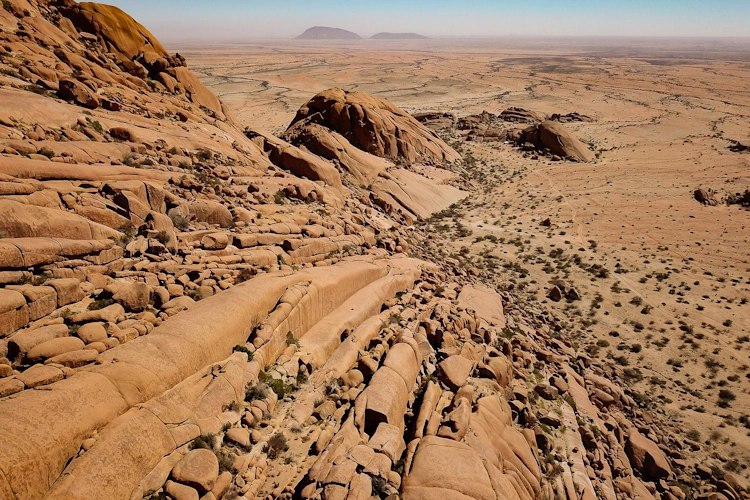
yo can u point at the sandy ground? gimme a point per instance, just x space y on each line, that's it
665 281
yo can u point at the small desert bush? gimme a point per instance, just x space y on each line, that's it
277 445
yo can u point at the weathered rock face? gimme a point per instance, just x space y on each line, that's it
23 221
77 92
228 315
521 115
299 161
374 125
417 195
325 143
198 469
646 456
113 27
557 139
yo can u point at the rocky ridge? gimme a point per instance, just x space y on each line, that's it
194 310
325 33
398 36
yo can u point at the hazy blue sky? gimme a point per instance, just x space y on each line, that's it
245 19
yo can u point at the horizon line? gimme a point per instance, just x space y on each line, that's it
467 37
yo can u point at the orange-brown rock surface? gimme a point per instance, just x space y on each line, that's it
374 126
193 309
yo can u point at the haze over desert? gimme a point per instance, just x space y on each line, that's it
374 261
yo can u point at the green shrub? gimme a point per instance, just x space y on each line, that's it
279 197
242 348
725 397
47 152
290 340
280 388
94 124
180 222
101 304
277 445
233 406
206 442
204 154
255 392
163 237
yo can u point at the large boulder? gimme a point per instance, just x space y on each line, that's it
705 196
54 347
374 125
198 93
204 211
388 392
485 302
14 313
444 468
199 469
24 341
520 115
454 371
115 29
77 92
134 297
25 221
646 456
557 139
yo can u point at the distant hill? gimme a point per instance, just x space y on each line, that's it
324 33
398 36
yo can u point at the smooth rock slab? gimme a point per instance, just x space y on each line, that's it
10 386
39 375
180 491
54 347
455 370
92 332
75 359
68 290
239 436
198 469
25 341
14 313
42 300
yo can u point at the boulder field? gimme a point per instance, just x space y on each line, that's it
194 309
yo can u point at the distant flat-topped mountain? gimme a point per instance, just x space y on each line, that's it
324 33
398 36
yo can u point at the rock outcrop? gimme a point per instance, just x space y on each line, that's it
193 309
325 33
374 125
556 139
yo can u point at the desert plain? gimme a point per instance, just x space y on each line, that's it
664 280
